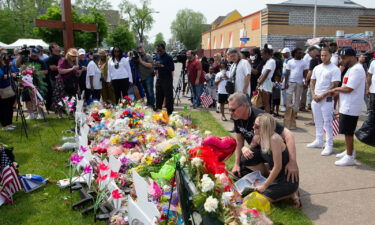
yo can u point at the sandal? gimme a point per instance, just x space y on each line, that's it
297 201
223 118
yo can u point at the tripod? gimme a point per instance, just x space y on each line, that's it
17 91
179 87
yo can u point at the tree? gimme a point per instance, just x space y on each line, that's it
93 4
159 39
85 40
188 27
121 36
140 18
17 17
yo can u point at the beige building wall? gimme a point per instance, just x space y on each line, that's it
228 36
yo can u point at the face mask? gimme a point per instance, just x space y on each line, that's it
253 57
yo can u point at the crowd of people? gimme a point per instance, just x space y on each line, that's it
330 82
101 75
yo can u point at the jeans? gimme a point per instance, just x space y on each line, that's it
148 85
196 91
164 90
92 95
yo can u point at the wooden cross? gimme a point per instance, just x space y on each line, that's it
66 24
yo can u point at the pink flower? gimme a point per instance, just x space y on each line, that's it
83 149
87 169
75 159
117 194
101 178
103 167
113 174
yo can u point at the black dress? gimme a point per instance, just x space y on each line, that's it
280 187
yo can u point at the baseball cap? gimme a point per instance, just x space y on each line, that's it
81 51
245 50
285 50
35 51
348 52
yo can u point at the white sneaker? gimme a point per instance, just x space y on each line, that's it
282 109
31 116
342 154
347 160
327 151
40 116
315 144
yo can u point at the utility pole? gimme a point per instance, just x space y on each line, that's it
315 9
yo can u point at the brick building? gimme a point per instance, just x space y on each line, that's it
289 24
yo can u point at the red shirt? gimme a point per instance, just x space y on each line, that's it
192 68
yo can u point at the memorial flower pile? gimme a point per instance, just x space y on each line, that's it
117 143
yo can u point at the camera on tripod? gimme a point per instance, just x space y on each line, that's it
24 51
181 57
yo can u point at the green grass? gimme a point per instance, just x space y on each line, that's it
365 153
282 212
48 205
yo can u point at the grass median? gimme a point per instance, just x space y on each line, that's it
365 153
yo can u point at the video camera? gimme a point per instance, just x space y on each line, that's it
135 55
181 56
24 51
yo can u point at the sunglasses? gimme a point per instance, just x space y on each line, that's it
233 110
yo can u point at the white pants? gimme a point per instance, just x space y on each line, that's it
323 117
296 90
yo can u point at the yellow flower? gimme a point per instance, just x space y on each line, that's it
171 132
139 168
115 140
148 160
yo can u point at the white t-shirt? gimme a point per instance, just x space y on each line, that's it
93 71
221 86
307 58
324 76
267 84
351 103
123 71
296 67
243 70
335 59
372 71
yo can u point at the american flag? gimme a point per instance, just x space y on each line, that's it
9 183
206 99
335 125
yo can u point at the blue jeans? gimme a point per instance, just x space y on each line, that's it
148 85
197 91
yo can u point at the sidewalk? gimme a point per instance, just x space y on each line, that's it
331 195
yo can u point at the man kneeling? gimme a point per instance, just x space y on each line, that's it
245 159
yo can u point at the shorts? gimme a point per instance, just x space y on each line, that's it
223 98
347 124
257 158
276 101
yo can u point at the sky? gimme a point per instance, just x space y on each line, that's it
211 9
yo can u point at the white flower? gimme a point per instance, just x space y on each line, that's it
207 183
167 188
211 204
182 160
226 197
207 133
197 162
197 218
243 219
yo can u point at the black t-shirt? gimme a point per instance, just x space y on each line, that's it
245 127
53 60
33 61
314 63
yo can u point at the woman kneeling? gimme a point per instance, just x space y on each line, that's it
274 152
